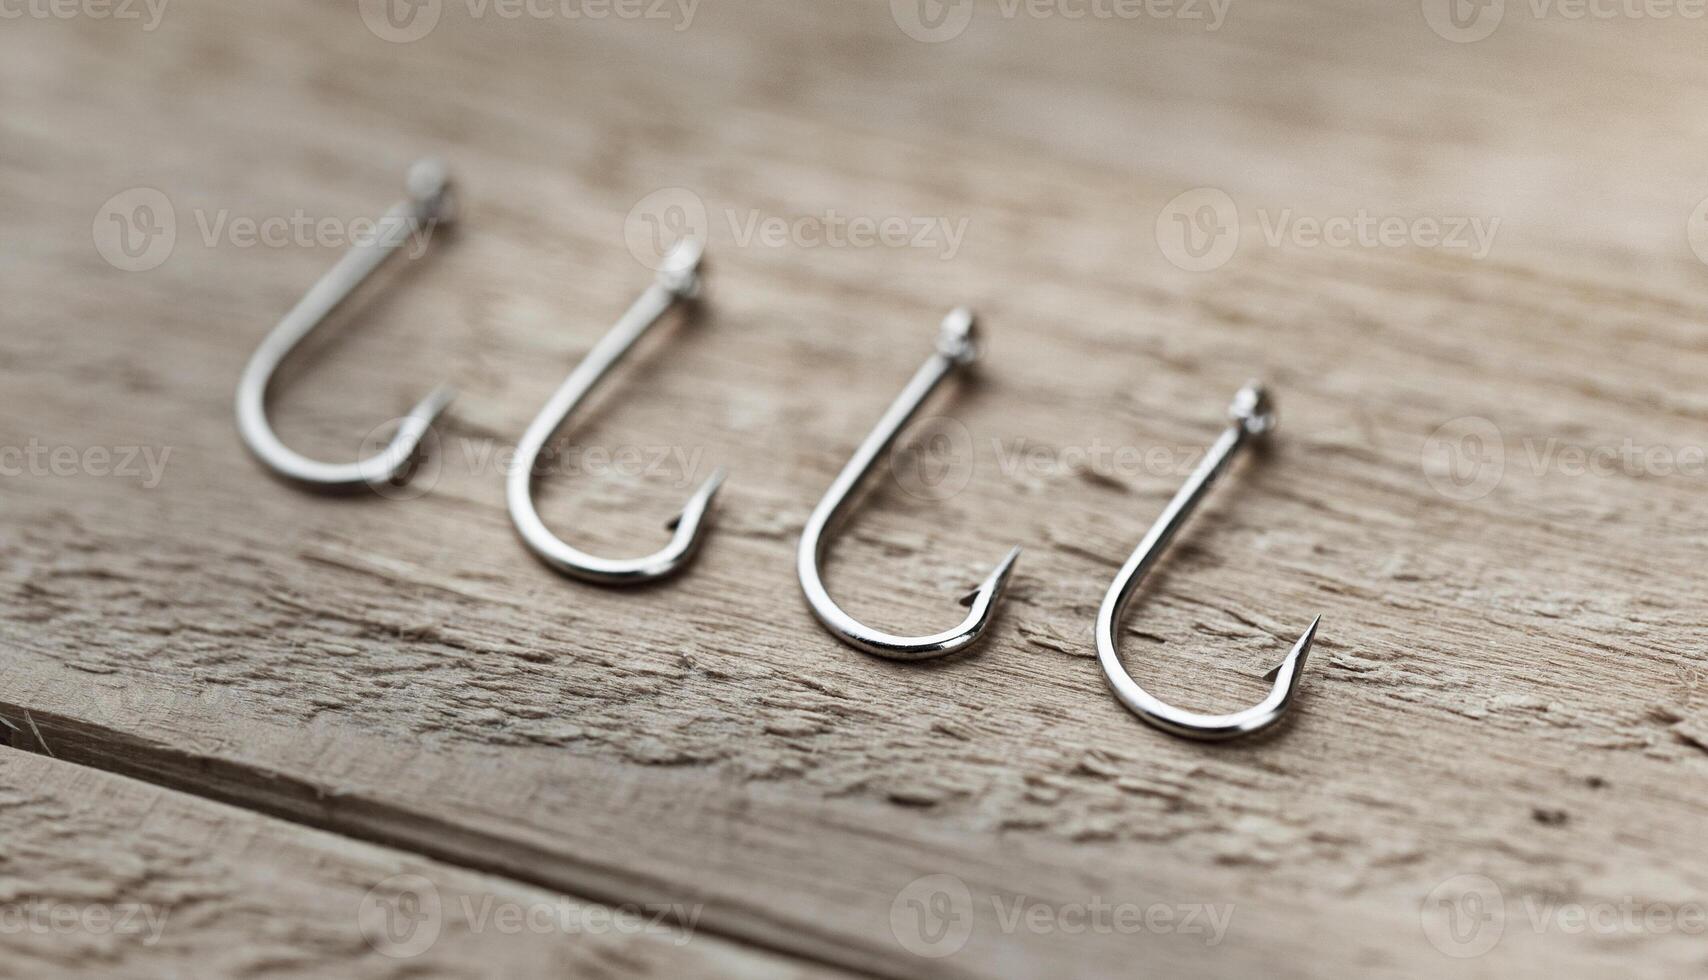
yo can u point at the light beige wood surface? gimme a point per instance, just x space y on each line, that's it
106 874
1505 685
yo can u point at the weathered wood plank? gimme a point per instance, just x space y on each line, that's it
102 875
1506 685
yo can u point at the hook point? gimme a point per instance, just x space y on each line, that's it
435 403
996 580
1300 651
713 484
701 498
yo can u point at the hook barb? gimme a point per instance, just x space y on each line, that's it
1252 416
1294 663
957 347
679 281
432 202
695 509
995 582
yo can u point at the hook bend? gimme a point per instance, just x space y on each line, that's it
432 202
679 281
957 347
1253 416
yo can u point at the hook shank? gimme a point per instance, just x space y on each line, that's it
1253 417
431 202
678 281
957 347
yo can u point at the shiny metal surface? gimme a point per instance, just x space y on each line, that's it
679 281
432 202
957 347
1253 417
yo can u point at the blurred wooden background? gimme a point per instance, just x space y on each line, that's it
248 710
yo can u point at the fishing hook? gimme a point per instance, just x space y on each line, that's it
678 281
1253 416
957 347
432 202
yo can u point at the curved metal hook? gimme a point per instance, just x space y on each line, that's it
957 346
1253 416
679 280
432 202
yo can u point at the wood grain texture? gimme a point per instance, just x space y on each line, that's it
105 875
1505 685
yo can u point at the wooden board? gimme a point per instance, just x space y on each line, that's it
107 875
1504 697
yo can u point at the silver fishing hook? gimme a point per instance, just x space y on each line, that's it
1253 416
678 281
957 346
432 202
